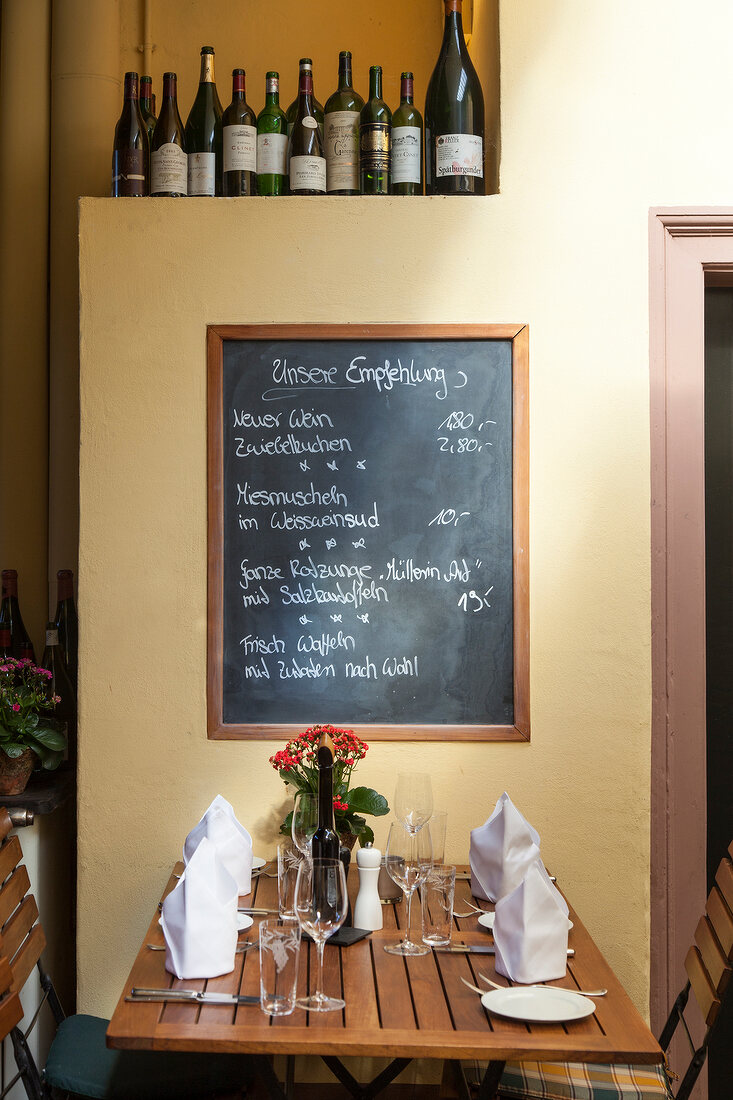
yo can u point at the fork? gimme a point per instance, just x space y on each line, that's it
240 948
542 985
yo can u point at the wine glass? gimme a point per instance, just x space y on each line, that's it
413 800
408 858
321 903
304 821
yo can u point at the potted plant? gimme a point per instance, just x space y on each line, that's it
27 731
297 766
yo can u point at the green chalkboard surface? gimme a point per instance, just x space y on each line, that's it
367 530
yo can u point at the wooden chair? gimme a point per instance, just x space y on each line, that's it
708 965
79 1062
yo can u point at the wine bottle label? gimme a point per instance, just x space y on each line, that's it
406 154
310 122
341 140
202 173
128 172
240 148
52 637
374 146
308 174
272 154
459 155
169 170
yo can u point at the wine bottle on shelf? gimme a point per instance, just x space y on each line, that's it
375 138
60 689
11 617
131 148
407 173
305 146
5 650
272 142
239 141
168 161
203 133
454 116
326 843
292 110
67 623
147 104
341 133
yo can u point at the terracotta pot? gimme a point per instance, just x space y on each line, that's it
348 840
15 773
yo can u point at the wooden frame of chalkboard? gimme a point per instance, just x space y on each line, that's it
308 401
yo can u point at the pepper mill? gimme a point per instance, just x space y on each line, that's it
368 907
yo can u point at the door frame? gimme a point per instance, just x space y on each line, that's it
689 249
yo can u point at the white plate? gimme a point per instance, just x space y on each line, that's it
257 862
538 1005
486 920
244 921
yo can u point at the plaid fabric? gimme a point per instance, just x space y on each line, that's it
583 1081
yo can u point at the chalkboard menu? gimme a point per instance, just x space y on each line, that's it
368 530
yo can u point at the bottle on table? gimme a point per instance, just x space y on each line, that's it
204 133
67 623
10 617
454 116
307 164
406 167
239 142
272 142
147 104
168 160
131 147
326 843
317 108
61 692
375 138
341 133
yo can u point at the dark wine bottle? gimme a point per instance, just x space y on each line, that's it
168 161
147 104
11 617
60 689
407 174
292 110
67 623
203 133
341 133
326 843
305 146
375 138
5 650
131 148
239 141
454 116
272 142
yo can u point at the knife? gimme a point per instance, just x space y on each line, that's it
258 912
476 949
190 995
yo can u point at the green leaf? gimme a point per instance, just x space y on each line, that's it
49 738
51 760
14 749
366 836
367 801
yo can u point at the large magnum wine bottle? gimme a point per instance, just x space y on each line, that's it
168 161
131 148
147 104
239 142
203 133
407 174
341 133
292 111
272 142
305 145
375 138
66 621
454 116
10 616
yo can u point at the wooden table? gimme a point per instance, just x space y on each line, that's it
395 1007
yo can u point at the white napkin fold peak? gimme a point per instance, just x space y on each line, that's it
232 841
531 930
199 918
501 851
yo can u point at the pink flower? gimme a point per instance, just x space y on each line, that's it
16 707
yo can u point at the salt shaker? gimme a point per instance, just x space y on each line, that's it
368 908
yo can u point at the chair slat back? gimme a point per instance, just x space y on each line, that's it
13 892
713 956
6 824
19 925
21 936
10 856
724 880
721 919
704 990
25 961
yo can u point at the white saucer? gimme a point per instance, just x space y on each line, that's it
257 862
538 1004
244 921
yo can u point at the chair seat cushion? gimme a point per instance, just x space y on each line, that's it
81 1063
583 1081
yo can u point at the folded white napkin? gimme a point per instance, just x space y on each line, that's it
199 918
232 841
531 930
501 850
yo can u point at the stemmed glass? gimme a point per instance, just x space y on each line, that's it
304 821
321 903
408 858
413 800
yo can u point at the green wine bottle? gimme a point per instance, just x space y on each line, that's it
10 616
305 145
293 108
203 133
131 148
272 142
341 133
67 622
147 104
407 174
375 138
454 116
168 161
239 142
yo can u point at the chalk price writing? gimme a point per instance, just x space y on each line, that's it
475 601
447 517
464 445
462 421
